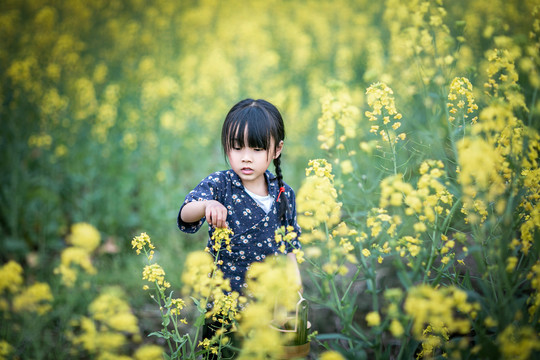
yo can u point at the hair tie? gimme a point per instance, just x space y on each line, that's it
281 189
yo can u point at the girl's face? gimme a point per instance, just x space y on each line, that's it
250 164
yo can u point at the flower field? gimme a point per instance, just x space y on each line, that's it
412 142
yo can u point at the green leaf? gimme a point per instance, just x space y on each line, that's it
333 336
166 320
168 301
200 320
159 334
467 280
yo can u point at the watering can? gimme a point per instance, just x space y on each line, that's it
299 326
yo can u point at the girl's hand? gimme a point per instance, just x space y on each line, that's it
216 213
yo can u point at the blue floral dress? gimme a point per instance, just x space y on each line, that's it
253 228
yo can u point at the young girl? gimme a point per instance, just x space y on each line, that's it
247 198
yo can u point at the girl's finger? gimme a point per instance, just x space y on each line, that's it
221 219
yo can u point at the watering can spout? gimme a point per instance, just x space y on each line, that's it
302 321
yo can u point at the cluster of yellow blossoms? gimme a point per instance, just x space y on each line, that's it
317 198
141 243
336 110
534 299
426 206
222 236
461 101
502 73
18 300
154 273
394 297
283 236
83 240
205 282
518 342
109 328
319 215
381 100
34 298
273 288
531 181
437 313
419 35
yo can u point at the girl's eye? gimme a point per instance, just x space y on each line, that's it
259 149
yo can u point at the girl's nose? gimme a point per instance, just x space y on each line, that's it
246 155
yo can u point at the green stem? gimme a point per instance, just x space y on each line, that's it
371 284
485 258
453 142
404 343
433 248
336 296
358 270
338 304
394 159
160 297
393 148
360 335
533 102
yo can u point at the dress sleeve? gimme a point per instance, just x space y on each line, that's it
206 190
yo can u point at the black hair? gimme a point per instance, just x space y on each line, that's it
263 122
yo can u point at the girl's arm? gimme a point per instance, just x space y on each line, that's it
214 211
292 258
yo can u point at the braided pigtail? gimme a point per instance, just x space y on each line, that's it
282 198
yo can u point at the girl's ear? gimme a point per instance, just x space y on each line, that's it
279 148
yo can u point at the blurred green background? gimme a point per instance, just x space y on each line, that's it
111 109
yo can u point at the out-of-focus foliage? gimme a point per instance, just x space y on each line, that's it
105 103
110 111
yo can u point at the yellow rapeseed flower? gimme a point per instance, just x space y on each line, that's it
155 273
141 241
346 167
461 92
222 236
336 110
534 299
11 277
73 258
396 328
111 308
373 319
331 355
518 342
5 349
272 286
380 98
35 298
317 198
105 333
149 352
85 236
511 263
502 74
426 305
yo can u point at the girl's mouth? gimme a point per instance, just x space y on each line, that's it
247 171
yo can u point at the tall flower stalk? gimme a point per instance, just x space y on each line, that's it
208 289
386 118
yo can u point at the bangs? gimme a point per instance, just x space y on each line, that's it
247 127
